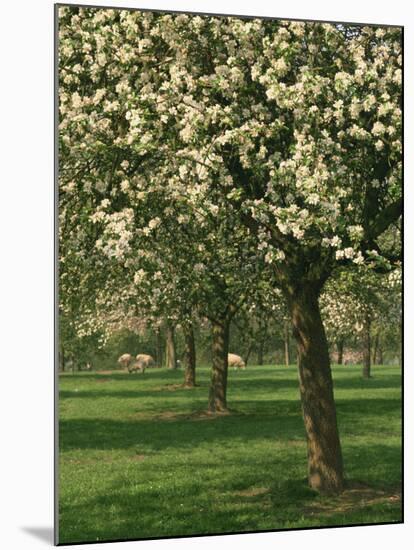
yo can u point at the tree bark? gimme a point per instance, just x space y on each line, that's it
287 343
366 337
325 467
190 356
170 349
340 349
159 347
217 401
375 351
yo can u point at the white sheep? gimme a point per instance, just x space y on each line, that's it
135 366
141 362
236 361
125 360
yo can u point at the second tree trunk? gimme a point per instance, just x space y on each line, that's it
340 348
190 356
366 336
287 342
217 401
170 351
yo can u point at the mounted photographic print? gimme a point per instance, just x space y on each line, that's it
229 274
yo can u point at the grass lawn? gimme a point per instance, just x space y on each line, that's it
139 458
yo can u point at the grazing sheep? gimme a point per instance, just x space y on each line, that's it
125 360
145 360
236 361
135 366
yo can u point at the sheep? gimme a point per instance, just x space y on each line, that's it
125 360
146 361
236 361
135 366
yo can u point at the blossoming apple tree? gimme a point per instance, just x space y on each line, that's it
284 134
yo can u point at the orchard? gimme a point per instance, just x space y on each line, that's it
232 182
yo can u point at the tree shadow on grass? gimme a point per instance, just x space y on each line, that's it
239 383
257 386
389 381
162 392
380 466
119 375
369 406
172 428
367 416
355 505
262 385
180 430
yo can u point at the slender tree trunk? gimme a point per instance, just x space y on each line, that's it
287 342
366 336
375 350
380 355
190 356
248 352
325 467
340 349
159 347
170 349
217 401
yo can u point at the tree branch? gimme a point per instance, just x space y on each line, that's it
385 218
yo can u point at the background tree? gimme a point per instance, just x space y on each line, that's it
358 302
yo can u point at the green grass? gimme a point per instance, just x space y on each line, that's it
140 459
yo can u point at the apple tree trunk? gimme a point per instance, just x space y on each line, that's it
190 356
340 350
170 348
159 346
366 338
217 401
325 466
287 342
